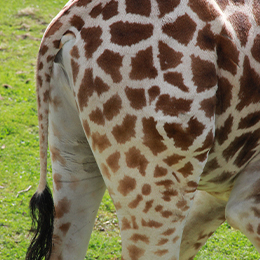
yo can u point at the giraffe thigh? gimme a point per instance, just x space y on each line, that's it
243 208
78 185
206 215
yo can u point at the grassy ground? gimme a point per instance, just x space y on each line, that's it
21 26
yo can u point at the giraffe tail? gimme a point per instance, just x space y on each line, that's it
42 214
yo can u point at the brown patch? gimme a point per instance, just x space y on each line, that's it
162 241
186 170
126 130
246 143
138 237
112 107
227 53
167 6
126 185
181 30
256 47
86 127
100 142
169 58
184 137
105 171
77 22
39 82
197 246
172 106
86 89
176 239
256 11
57 180
249 149
40 66
224 95
249 121
241 25
159 171
100 86
43 49
158 208
135 252
206 39
134 159
83 3
133 204
113 161
151 223
249 86
175 79
250 228
75 52
166 213
63 207
169 232
152 138
136 97
168 192
222 178
222 133
182 204
258 229
211 166
173 159
53 29
209 106
204 74
126 224
146 189
56 156
153 92
207 145
110 10
204 10
161 252
148 206
65 228
138 7
96 11
125 33
97 117
135 226
75 70
143 66
111 62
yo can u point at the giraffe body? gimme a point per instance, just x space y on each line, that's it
159 101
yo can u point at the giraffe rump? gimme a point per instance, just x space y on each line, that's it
42 214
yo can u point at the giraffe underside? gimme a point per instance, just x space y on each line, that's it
159 102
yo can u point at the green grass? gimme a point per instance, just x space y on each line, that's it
22 23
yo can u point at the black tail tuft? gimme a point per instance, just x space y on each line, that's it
42 214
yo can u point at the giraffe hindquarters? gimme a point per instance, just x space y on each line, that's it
243 208
78 184
206 215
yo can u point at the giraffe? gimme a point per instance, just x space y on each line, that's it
159 102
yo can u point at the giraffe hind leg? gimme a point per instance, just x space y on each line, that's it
206 215
78 185
243 210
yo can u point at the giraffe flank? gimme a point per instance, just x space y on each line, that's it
159 102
